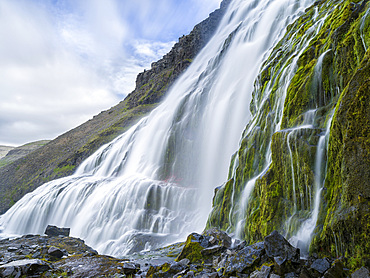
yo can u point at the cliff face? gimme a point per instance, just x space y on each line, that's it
315 80
61 156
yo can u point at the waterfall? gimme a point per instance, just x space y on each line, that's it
154 183
304 234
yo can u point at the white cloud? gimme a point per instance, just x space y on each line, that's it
47 86
63 61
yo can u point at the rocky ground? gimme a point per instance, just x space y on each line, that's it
211 254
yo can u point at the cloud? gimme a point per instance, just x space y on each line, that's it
63 61
47 86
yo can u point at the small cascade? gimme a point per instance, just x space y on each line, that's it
244 203
362 29
285 72
304 235
308 123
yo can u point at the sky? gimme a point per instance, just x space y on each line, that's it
64 61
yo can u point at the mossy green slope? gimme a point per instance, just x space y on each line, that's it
315 67
346 214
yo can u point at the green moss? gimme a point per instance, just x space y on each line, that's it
67 168
340 44
346 215
192 251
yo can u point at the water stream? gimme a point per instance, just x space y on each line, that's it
154 184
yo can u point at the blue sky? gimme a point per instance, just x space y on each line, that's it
63 61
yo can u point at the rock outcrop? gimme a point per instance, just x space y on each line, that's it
326 53
61 156
59 256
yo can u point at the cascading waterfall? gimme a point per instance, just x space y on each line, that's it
138 191
304 235
286 73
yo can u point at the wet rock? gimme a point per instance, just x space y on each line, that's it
210 275
184 262
263 273
130 268
218 237
212 250
24 267
244 259
363 272
194 244
165 271
336 270
291 275
12 249
321 265
56 231
55 252
279 249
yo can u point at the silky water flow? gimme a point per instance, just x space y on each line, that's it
154 183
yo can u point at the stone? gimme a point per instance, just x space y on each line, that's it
218 237
12 249
56 231
263 273
24 267
55 252
184 262
291 275
279 249
363 272
336 270
321 265
177 267
210 275
244 258
130 268
274 276
194 244
212 250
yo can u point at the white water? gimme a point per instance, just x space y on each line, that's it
304 235
156 181
286 73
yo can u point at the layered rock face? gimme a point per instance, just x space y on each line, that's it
61 156
305 157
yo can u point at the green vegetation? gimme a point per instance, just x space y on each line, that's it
341 81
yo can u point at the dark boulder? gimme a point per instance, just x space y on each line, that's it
279 249
55 252
218 237
321 265
23 268
240 260
336 270
56 231
263 273
130 268
363 272
194 245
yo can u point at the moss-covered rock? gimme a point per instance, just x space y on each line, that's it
320 65
346 215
